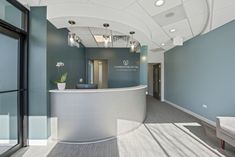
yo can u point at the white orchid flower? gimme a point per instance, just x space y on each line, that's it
59 64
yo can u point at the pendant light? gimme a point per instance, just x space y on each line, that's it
71 36
73 39
106 36
132 42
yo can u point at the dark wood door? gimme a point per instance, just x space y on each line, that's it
157 81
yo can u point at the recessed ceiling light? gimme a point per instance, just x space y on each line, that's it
172 30
159 3
71 22
100 38
163 44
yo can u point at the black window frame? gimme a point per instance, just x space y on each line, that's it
23 36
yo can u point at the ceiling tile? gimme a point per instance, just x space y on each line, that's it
88 40
149 6
155 31
182 29
221 4
168 45
119 4
223 16
198 23
195 7
99 31
122 42
170 16
116 33
197 12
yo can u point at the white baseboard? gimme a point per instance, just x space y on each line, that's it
38 142
191 113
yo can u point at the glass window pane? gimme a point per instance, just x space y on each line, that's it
8 121
11 14
8 63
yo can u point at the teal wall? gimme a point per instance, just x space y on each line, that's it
144 65
38 106
203 72
115 57
48 45
58 50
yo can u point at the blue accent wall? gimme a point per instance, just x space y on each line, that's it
115 57
59 51
47 46
144 65
38 107
203 72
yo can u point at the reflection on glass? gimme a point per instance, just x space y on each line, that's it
8 121
11 14
8 100
8 63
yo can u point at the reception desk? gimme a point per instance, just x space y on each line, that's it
90 115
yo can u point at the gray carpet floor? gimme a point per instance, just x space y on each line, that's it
167 132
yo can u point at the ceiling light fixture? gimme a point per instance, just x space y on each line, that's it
106 36
144 58
132 42
163 44
172 30
77 41
73 39
159 3
71 22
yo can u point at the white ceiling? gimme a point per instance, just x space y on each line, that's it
86 34
188 17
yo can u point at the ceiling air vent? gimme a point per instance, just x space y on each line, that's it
170 14
121 38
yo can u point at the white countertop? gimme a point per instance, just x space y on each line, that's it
98 90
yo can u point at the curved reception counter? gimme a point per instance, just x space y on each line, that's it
90 115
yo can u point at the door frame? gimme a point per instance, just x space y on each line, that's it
92 60
22 35
157 96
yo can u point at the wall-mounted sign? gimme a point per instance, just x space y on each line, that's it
125 62
126 66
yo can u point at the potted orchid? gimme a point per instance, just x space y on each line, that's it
61 82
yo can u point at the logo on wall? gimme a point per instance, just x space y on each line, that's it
126 67
125 62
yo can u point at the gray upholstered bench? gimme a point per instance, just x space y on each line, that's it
225 130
